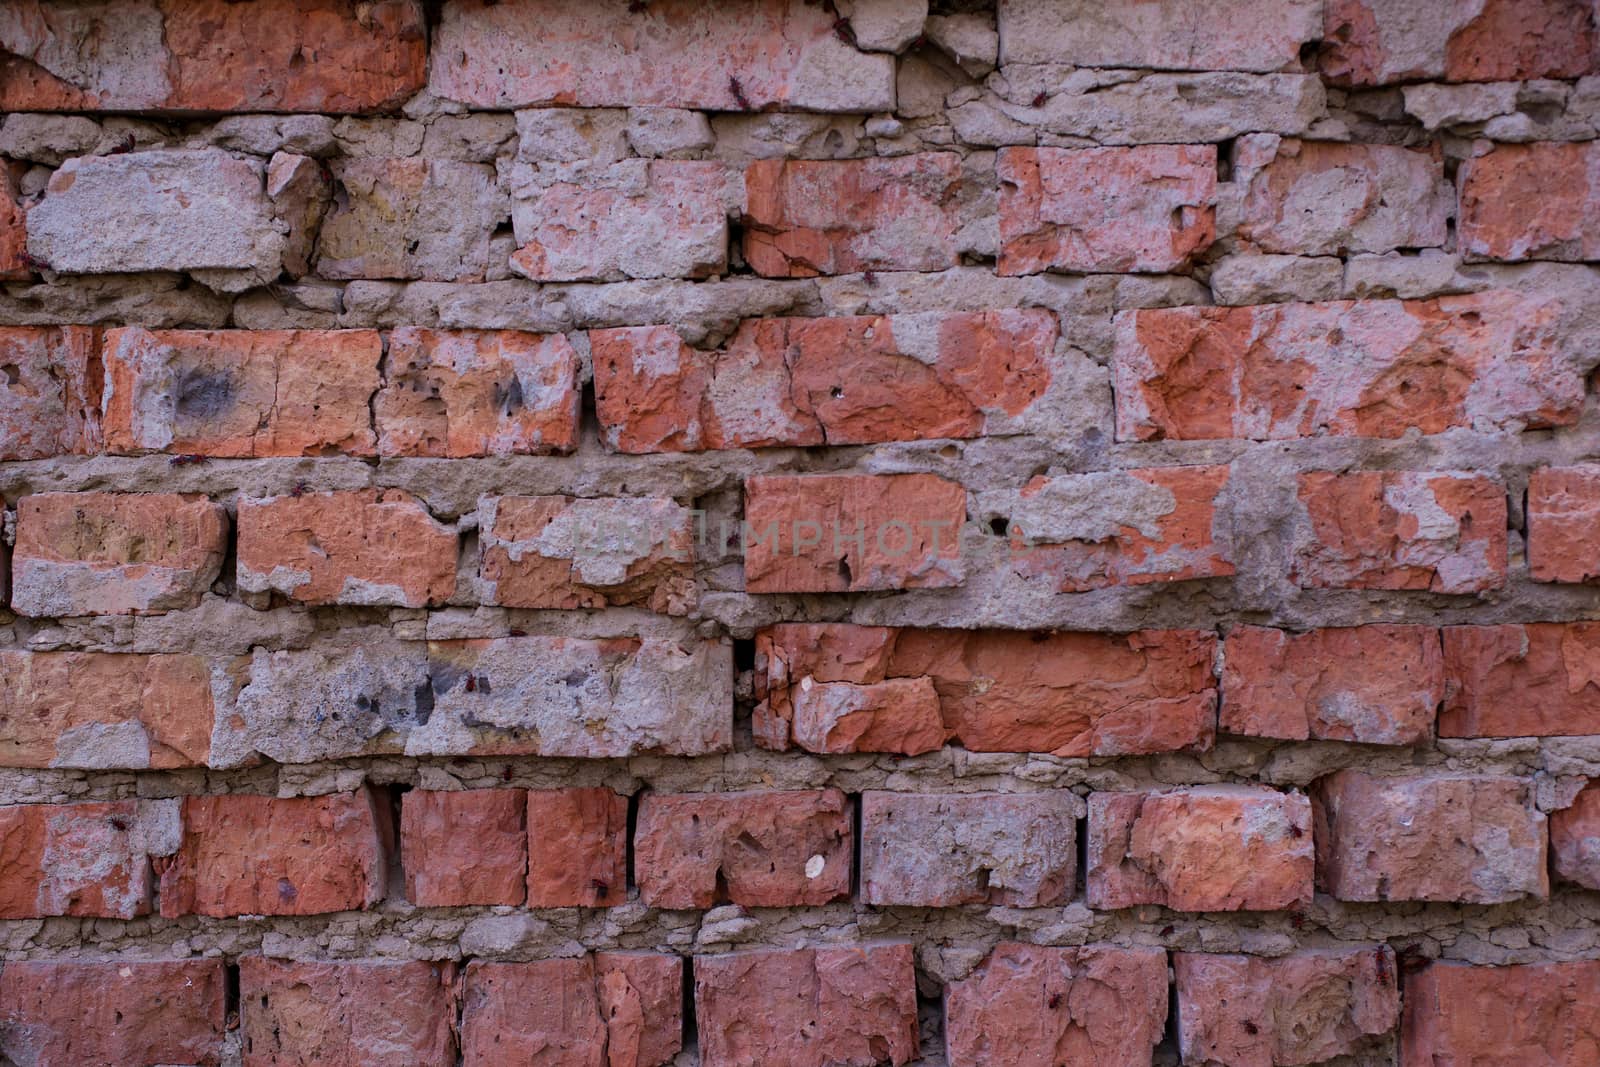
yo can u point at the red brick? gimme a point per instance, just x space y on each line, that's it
1147 208
13 223
835 533
798 381
1564 524
1433 531
254 855
1328 198
1157 524
1379 42
83 859
1473 840
577 848
1546 1014
840 1006
1365 368
1041 1006
367 546
210 55
759 850
1201 848
104 710
1535 680
1006 849
612 1009
359 1013
561 552
461 393
465 847
809 217
1575 840
1249 35
66 1013
1306 1008
115 553
1377 685
50 392
240 393
1532 201
835 687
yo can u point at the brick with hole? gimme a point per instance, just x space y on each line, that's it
104 710
937 851
563 552
370 547
832 1006
92 859
1041 1006
1200 848
1541 1013
1538 679
429 219
835 533
1473 839
240 394
115 553
1308 1007
776 849
50 385
356 1013
1531 201
577 848
616 1009
1235 35
1380 42
1575 839
77 1013
257 855
464 848
457 394
1564 524
1376 685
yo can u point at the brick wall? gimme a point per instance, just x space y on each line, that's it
766 532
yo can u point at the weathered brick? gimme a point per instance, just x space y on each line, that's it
1545 1013
1379 42
762 850
835 687
429 219
1470 839
773 52
115 553
1309 1007
635 219
1147 208
1520 680
13 224
460 393
840 1006
809 217
68 1013
179 209
1575 839
240 394
1366 368
1532 201
1006 849
834 533
1564 524
546 696
577 849
1438 531
1134 527
255 855
50 392
558 552
1041 1006
1328 198
363 546
210 55
836 381
1200 848
1233 35
104 711
1377 685
83 859
355 1013
622 1009
465 847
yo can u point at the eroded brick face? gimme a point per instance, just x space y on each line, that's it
1538 1013
1520 681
